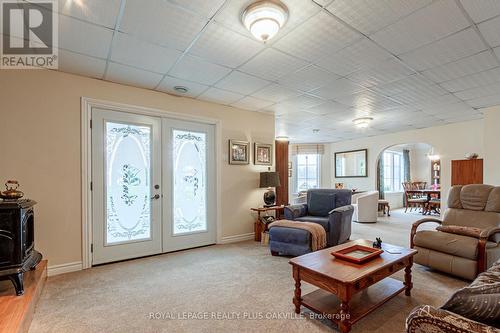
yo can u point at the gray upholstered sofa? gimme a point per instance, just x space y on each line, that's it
475 308
331 208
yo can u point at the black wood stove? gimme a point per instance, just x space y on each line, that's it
17 242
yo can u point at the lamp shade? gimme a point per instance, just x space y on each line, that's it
269 179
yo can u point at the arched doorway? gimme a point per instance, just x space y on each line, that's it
409 176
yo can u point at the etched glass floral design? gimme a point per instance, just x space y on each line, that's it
128 165
190 189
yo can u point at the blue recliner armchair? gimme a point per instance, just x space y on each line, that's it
329 207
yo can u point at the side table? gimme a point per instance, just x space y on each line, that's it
259 225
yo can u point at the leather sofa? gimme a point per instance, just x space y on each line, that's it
365 207
469 239
329 207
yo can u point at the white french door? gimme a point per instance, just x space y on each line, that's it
151 180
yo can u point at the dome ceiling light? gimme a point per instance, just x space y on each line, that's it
362 122
264 19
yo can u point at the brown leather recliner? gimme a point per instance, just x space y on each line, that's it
474 244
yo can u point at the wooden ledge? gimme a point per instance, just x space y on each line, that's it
16 312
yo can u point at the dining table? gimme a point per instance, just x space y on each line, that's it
429 193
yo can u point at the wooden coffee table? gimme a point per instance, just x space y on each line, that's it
340 282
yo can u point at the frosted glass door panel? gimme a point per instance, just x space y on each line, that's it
190 185
128 184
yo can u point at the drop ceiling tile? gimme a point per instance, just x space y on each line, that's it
81 64
490 31
317 38
488 90
206 8
465 117
412 83
472 81
94 11
82 37
222 46
381 73
251 103
308 78
452 48
275 93
299 11
484 102
272 64
197 70
362 54
338 88
429 24
241 83
481 10
303 101
440 110
132 76
168 83
497 51
369 16
161 22
437 101
328 107
131 51
295 117
220 96
367 98
462 67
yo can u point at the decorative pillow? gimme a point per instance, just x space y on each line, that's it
320 203
478 301
460 230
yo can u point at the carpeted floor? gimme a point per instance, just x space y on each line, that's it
207 289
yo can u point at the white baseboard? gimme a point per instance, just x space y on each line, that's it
64 268
237 238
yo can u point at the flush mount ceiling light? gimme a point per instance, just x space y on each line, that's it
264 19
362 122
181 89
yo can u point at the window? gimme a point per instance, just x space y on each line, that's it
307 171
393 171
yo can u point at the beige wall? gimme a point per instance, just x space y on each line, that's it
492 145
450 142
40 147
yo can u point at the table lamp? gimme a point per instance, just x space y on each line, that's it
269 179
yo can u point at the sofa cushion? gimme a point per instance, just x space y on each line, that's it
460 230
457 245
479 300
316 219
320 203
493 204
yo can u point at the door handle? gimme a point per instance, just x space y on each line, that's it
156 197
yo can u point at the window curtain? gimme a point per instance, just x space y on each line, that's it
302 149
406 165
380 177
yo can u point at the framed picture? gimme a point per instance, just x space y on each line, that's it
263 154
351 163
239 152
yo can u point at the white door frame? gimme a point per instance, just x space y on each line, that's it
86 155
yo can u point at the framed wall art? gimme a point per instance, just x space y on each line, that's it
239 152
263 154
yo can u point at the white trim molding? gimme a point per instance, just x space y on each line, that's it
64 268
86 167
236 238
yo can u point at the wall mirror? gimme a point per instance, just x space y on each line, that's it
351 163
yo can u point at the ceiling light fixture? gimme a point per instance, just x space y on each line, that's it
264 19
181 89
282 138
362 122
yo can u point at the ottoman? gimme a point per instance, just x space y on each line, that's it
289 241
